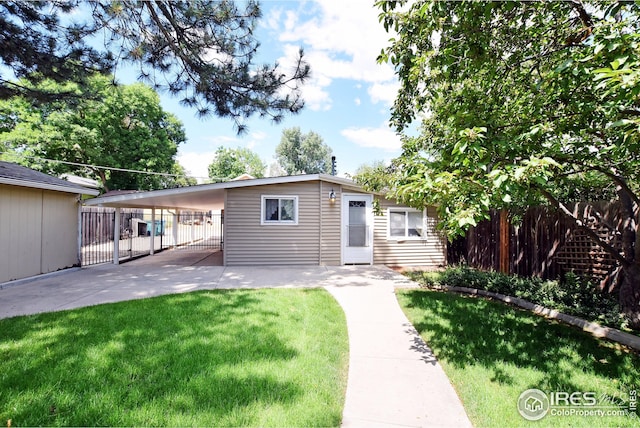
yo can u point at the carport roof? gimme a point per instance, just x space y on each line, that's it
204 197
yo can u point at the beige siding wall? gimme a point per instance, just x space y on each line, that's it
330 243
59 231
38 232
316 239
429 252
247 242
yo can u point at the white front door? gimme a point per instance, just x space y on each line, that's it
357 229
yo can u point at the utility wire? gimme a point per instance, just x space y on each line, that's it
109 168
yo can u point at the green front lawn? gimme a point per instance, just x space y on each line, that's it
221 358
493 352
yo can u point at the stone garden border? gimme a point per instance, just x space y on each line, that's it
595 329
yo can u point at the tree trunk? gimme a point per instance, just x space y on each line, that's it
103 179
630 288
630 294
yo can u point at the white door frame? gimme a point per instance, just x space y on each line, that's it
366 253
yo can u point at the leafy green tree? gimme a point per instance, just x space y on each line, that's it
231 163
123 127
522 103
203 51
275 170
300 153
373 176
179 178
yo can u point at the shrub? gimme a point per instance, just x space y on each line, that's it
572 294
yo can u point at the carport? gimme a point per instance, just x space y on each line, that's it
207 197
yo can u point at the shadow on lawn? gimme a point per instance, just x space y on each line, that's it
465 330
183 359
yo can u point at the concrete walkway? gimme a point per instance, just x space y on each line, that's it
394 379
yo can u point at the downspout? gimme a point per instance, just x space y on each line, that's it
42 233
321 222
79 237
224 229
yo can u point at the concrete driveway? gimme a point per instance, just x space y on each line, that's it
394 379
166 273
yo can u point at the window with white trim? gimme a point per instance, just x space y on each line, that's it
405 223
279 209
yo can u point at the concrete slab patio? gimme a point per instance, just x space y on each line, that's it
394 379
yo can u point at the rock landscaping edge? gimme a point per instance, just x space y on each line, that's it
595 329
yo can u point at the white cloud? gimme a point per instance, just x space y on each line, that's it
357 101
380 138
348 28
258 135
341 40
314 92
383 92
255 138
196 164
316 98
220 140
272 20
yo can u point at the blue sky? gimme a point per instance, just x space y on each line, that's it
347 98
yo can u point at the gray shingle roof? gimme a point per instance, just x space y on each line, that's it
11 173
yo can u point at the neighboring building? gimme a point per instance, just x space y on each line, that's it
304 220
38 222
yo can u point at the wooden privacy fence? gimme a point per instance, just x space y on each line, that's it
543 244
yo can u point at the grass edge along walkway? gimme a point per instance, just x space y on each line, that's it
271 357
493 352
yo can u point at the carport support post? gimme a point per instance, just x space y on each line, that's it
116 238
193 228
153 231
174 228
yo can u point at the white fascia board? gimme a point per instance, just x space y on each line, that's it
291 179
187 189
225 185
339 180
271 180
153 194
